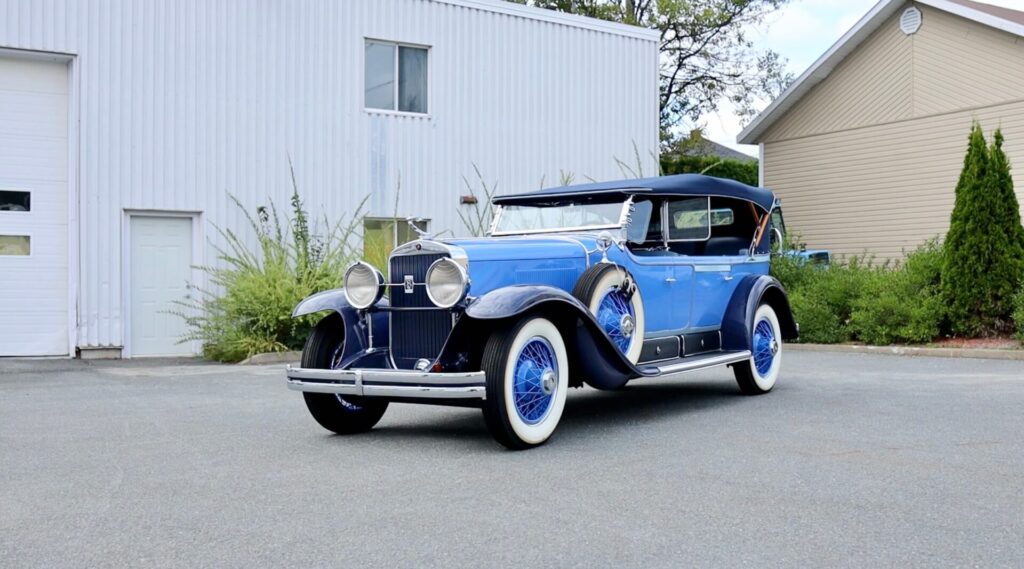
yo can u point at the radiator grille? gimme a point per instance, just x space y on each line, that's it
415 334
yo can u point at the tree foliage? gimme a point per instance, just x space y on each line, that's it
706 55
984 254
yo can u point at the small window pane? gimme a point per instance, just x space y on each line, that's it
15 245
722 216
689 220
15 201
412 79
380 76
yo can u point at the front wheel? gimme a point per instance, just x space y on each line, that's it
344 415
527 369
758 374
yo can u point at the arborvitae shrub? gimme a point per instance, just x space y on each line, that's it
984 249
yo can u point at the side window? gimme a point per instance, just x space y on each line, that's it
640 222
689 219
777 221
395 77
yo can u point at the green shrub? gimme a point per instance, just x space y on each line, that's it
1018 312
740 170
858 300
984 252
246 306
891 308
819 323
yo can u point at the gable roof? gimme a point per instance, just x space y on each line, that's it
1005 19
708 147
677 185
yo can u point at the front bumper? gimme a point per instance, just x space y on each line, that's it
388 383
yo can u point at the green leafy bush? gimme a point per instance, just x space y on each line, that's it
858 300
1018 312
819 323
741 170
246 306
892 309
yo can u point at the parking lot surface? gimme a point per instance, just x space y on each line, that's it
854 460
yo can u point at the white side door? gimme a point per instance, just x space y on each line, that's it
33 208
160 261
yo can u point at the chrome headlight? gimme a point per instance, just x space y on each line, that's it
447 283
364 285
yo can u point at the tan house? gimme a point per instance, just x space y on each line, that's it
866 146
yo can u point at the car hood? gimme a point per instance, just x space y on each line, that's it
525 248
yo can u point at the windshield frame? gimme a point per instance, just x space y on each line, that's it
499 210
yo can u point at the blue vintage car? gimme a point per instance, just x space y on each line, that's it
598 284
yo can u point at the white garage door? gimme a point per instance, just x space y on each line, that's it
161 259
33 208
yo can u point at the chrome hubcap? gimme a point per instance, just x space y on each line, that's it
626 325
547 383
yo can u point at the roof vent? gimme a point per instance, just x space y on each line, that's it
910 20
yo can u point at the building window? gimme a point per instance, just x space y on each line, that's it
11 200
15 245
382 234
396 77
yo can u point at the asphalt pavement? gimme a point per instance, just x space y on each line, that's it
854 460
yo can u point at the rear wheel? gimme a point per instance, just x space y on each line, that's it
527 369
342 414
759 373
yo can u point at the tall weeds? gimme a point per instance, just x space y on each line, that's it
246 304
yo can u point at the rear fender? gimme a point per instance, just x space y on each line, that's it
739 315
357 332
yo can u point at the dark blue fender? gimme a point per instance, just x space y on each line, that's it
593 357
739 315
357 335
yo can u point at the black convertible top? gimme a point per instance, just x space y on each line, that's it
678 185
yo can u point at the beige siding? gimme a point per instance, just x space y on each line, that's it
871 86
882 189
960 64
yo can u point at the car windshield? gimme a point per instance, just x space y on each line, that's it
563 216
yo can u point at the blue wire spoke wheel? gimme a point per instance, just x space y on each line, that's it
617 317
765 346
534 380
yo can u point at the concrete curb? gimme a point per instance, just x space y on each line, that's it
1017 355
271 358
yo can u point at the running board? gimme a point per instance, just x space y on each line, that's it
694 363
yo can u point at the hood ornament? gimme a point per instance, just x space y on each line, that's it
423 234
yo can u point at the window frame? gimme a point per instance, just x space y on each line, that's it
667 222
429 89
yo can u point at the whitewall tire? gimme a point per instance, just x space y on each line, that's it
758 374
527 369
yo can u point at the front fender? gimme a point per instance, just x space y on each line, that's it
357 333
739 315
593 357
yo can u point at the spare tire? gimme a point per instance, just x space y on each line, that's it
611 294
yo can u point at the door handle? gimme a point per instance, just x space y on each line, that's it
670 280
727 278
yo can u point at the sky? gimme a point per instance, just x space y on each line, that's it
801 32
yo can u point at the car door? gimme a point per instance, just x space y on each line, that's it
661 276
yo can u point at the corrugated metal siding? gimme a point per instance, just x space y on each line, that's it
882 189
874 84
960 64
182 102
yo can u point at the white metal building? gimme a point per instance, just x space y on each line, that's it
124 125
